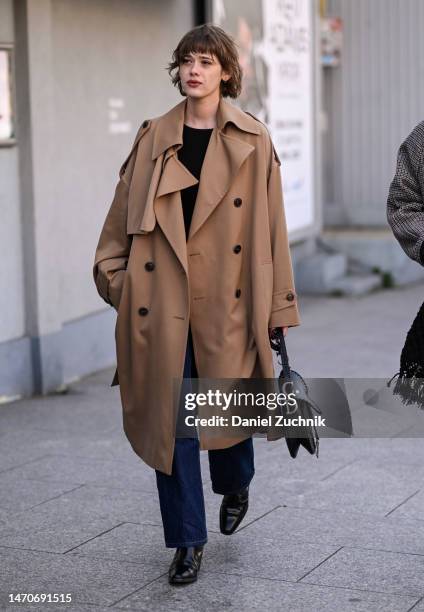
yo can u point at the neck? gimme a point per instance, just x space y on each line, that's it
201 113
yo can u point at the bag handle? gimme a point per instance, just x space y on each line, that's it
279 345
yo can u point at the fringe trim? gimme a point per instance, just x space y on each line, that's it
409 387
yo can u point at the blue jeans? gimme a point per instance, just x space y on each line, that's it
181 494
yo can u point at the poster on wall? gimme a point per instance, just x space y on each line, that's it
275 42
6 124
331 41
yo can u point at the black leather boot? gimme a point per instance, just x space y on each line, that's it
185 565
233 510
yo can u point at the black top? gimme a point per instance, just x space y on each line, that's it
191 154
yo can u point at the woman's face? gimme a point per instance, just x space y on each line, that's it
201 75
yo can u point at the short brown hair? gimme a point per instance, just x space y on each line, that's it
212 39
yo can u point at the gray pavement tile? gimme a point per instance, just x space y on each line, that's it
101 502
130 542
139 543
416 431
280 489
327 318
26 444
419 607
221 591
407 471
90 502
76 411
372 570
18 454
245 554
360 486
131 475
5 515
368 447
304 470
404 450
97 582
413 508
21 494
46 530
339 528
368 421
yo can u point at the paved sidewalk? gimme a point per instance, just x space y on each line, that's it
79 512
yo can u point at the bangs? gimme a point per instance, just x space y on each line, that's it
198 42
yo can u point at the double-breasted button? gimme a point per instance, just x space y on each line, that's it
238 293
145 123
237 202
237 248
149 266
290 296
143 311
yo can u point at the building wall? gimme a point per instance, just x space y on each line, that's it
12 324
87 75
103 52
372 101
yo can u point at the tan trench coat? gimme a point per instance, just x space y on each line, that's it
158 282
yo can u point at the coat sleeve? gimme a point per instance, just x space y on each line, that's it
113 248
284 310
405 203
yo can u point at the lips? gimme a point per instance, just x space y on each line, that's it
193 83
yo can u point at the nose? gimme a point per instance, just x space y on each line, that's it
194 68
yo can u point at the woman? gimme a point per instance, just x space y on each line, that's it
194 256
405 214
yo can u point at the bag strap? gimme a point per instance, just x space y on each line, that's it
280 347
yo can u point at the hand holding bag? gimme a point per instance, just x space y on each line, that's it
290 381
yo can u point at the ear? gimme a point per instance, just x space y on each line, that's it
225 76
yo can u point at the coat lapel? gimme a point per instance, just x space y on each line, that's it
168 206
224 156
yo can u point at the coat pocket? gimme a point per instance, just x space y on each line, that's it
115 287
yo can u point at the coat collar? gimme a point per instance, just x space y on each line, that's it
224 156
169 129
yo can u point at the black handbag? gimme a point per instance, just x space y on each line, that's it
291 381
